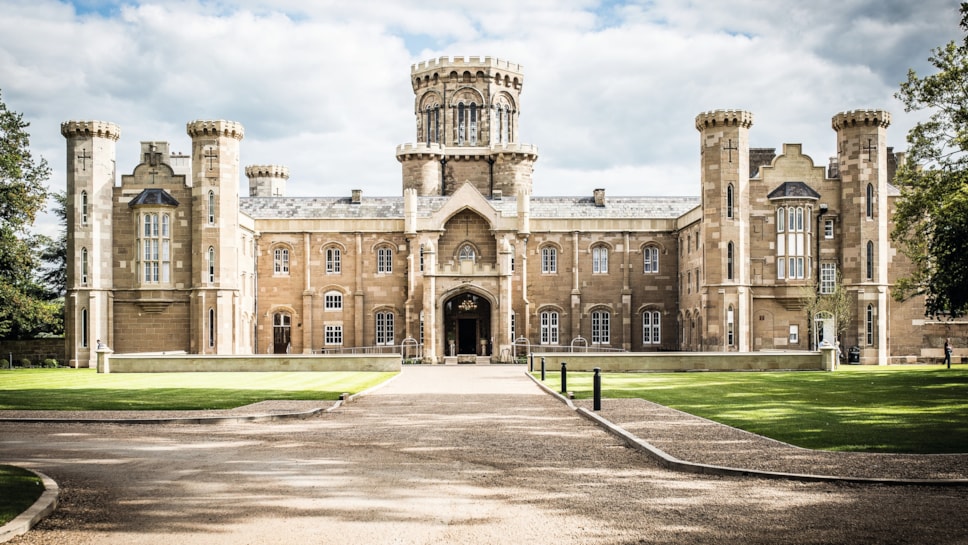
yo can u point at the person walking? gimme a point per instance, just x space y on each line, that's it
947 353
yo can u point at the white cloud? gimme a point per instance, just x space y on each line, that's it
611 88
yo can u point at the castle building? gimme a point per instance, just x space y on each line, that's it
468 262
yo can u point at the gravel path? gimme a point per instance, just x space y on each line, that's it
440 455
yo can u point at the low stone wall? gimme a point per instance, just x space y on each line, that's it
186 363
35 350
668 362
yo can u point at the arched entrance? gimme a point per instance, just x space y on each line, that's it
281 333
467 325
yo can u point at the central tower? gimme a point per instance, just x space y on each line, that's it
466 112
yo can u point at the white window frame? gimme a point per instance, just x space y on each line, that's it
549 260
650 260
384 260
600 259
828 278
601 327
384 328
549 327
651 327
332 301
333 334
280 260
828 229
794 334
334 260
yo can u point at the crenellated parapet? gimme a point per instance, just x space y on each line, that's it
467 70
724 118
219 128
458 63
406 152
861 118
267 171
91 129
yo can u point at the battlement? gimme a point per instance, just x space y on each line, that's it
231 129
419 150
864 118
466 62
267 171
91 129
724 118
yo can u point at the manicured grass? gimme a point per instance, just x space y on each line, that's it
913 409
86 390
19 489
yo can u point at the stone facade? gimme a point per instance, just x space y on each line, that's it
467 261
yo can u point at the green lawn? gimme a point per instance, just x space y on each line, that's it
19 489
913 409
86 390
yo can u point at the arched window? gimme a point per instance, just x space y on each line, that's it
870 260
384 260
601 327
870 201
461 127
280 261
729 260
85 328
333 300
211 264
384 328
600 259
211 327
730 327
432 124
651 331
211 208
83 207
549 259
333 260
650 260
84 266
549 327
472 137
870 324
729 201
466 253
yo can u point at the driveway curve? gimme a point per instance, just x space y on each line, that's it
455 454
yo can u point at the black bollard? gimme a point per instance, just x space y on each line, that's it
532 362
542 369
564 378
597 389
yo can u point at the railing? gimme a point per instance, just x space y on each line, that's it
408 349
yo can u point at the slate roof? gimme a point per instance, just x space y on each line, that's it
154 196
392 207
793 190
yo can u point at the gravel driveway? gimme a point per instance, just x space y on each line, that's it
459 454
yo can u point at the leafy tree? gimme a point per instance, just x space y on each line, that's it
23 193
837 303
53 252
931 219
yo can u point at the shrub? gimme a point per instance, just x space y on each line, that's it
51 362
25 362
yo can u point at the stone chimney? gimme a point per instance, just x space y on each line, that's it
599 197
357 196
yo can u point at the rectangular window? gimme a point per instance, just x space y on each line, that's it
384 328
828 278
334 301
333 264
828 228
600 327
650 327
384 264
333 334
794 334
549 328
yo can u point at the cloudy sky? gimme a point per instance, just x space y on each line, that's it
611 88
